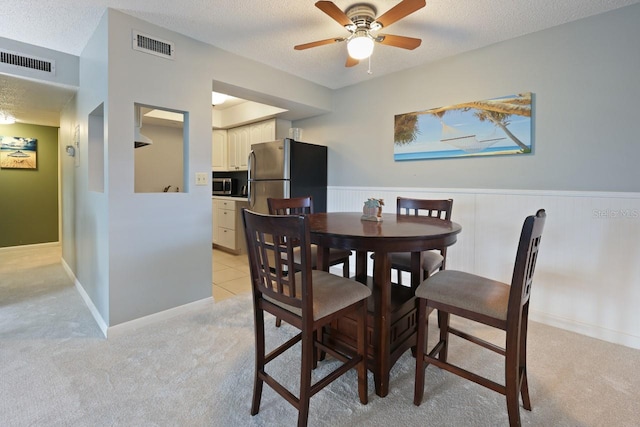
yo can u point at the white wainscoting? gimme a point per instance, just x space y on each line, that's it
587 277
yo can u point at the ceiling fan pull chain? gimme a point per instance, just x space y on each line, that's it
369 70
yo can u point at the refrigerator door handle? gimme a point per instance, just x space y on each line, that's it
250 160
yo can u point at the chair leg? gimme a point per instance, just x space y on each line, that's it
259 362
512 374
363 385
278 322
524 390
345 269
317 336
524 387
443 323
421 342
512 394
308 350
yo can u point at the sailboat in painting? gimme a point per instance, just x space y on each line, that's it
490 127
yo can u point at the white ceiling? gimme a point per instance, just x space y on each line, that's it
33 102
267 30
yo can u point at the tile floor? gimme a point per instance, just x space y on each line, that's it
230 275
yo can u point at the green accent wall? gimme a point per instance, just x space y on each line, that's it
29 197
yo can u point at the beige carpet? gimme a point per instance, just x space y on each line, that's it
197 368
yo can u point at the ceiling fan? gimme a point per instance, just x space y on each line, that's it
360 20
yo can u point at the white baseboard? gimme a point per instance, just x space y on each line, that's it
157 317
85 297
590 330
111 331
33 246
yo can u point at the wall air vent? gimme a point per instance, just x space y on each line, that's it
154 46
27 61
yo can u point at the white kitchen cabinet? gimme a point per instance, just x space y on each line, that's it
219 158
238 146
233 136
214 210
228 231
263 131
237 142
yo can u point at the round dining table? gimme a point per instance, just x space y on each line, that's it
392 313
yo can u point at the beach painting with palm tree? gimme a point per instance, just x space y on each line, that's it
496 126
18 153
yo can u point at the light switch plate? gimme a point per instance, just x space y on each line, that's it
201 178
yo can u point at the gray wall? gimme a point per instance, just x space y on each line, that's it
136 254
85 225
584 77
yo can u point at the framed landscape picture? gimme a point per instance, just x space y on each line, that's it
18 153
496 126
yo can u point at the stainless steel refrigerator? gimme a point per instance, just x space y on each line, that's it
287 168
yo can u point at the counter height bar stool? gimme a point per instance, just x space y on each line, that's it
307 299
432 261
489 302
303 206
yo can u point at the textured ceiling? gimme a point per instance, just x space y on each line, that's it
32 102
267 30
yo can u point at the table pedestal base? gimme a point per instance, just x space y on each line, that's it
402 334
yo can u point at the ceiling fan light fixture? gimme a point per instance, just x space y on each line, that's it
360 46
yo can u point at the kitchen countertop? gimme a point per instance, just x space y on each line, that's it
237 198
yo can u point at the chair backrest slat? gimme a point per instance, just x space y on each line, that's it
433 208
526 257
272 253
290 206
271 242
436 208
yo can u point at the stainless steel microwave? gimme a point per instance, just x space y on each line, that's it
222 186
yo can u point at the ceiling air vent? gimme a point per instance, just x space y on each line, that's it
154 46
27 61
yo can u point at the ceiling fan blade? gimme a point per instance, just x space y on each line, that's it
334 12
399 41
318 43
351 62
399 11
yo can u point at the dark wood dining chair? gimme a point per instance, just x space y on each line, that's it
432 261
304 205
489 302
307 299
